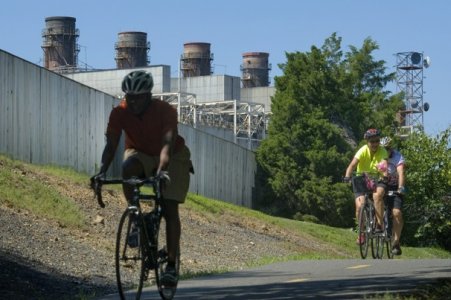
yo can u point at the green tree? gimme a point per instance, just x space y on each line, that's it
322 102
428 201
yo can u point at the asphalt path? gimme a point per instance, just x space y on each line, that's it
312 279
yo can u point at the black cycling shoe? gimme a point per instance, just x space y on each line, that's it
396 250
169 277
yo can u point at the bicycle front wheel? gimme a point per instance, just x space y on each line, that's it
364 230
374 237
380 244
130 271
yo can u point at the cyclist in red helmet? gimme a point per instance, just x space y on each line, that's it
370 159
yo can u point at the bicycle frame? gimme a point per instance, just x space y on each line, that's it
379 240
367 214
148 224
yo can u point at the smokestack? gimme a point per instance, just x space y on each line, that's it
196 60
255 69
131 50
60 44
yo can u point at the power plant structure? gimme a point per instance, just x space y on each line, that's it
196 60
226 106
132 50
255 69
60 44
409 79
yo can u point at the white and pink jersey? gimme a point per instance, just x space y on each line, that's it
395 159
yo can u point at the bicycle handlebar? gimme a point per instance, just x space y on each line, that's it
98 181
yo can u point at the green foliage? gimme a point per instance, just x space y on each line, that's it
428 202
19 189
322 102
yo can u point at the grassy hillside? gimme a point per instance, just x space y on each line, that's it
41 198
218 236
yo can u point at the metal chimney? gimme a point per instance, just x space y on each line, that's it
196 60
131 50
60 44
255 69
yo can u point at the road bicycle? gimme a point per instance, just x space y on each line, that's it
367 224
140 232
386 238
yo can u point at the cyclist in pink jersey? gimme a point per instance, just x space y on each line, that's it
396 182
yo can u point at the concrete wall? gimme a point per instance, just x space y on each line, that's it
260 95
209 88
109 81
46 118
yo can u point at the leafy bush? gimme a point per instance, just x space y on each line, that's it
428 203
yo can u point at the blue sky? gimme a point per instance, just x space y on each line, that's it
233 27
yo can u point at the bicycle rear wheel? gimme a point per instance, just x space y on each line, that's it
388 234
364 230
389 246
166 292
130 271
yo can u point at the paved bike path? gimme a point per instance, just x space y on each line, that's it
312 279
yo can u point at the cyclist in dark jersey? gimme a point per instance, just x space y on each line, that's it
152 145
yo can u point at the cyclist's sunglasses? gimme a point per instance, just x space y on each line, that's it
374 141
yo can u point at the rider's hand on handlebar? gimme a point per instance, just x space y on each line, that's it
346 179
97 187
401 190
94 179
163 175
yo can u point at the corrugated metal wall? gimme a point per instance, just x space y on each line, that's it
46 118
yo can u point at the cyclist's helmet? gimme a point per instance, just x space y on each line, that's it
372 132
137 82
386 142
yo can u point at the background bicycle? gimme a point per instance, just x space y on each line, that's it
140 231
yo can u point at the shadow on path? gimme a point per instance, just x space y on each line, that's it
23 279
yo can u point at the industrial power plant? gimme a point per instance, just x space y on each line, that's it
236 109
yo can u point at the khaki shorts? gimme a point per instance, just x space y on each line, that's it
178 169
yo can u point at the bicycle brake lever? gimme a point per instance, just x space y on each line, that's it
97 187
99 196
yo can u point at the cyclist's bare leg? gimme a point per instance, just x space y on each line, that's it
131 167
358 204
173 228
398 223
378 198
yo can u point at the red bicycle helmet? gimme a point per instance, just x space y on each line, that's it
372 132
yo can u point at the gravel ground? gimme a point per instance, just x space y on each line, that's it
40 259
